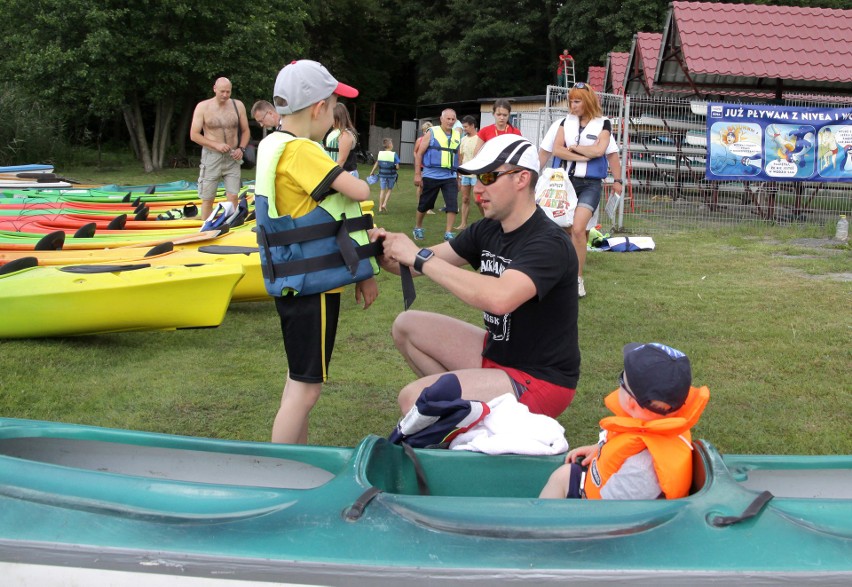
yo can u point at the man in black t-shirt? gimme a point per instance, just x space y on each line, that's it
526 286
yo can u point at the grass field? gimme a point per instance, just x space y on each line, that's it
764 314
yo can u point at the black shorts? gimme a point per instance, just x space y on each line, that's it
449 189
309 326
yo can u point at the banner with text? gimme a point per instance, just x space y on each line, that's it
778 143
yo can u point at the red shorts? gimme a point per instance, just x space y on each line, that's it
541 397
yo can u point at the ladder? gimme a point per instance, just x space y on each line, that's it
566 63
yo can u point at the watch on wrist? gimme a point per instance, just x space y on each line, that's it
617 181
423 255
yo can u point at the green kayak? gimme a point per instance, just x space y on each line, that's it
80 504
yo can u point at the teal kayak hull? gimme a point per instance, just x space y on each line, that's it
83 498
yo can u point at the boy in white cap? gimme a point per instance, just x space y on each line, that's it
295 178
645 449
526 286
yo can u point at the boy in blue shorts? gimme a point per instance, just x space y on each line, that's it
295 177
388 164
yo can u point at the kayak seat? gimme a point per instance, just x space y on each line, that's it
227 250
455 473
118 223
18 265
699 469
86 231
92 269
53 241
160 249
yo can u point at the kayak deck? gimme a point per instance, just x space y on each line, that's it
365 516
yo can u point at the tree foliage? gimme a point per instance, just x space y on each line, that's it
148 62
144 58
464 49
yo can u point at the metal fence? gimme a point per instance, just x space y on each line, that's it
663 148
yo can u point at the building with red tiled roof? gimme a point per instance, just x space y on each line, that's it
616 67
736 48
642 63
596 77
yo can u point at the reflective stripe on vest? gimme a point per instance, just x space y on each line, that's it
326 248
332 141
443 151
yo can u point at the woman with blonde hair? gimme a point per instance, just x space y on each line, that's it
342 140
581 143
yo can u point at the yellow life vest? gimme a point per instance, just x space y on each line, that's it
443 150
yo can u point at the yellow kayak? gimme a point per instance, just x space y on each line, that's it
96 299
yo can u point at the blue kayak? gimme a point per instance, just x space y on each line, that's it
76 501
26 167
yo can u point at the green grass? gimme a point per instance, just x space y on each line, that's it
762 312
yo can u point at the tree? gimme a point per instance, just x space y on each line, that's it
144 58
590 29
356 41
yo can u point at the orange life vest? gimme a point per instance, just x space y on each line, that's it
667 439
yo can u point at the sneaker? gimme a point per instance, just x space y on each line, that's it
430 211
581 288
418 234
448 236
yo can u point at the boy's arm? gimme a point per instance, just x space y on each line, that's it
367 290
351 187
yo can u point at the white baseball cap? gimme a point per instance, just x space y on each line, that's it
306 82
504 149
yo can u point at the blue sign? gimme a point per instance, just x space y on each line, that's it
778 143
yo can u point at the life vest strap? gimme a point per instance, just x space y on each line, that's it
317 231
329 261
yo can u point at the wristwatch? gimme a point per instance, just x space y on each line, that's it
423 255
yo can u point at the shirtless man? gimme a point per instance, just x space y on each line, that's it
215 125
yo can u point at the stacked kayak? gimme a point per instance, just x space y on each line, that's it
79 503
31 175
93 299
237 248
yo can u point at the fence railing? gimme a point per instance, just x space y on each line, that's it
663 149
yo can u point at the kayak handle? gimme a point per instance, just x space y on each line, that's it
751 511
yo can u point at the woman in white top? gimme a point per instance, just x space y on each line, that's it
581 144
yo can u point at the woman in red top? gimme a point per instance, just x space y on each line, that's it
502 109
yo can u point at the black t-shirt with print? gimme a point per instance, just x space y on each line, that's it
540 336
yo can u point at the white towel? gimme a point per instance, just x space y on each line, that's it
510 428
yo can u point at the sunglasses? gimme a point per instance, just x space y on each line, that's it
492 176
580 85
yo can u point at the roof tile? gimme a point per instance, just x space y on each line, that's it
749 40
